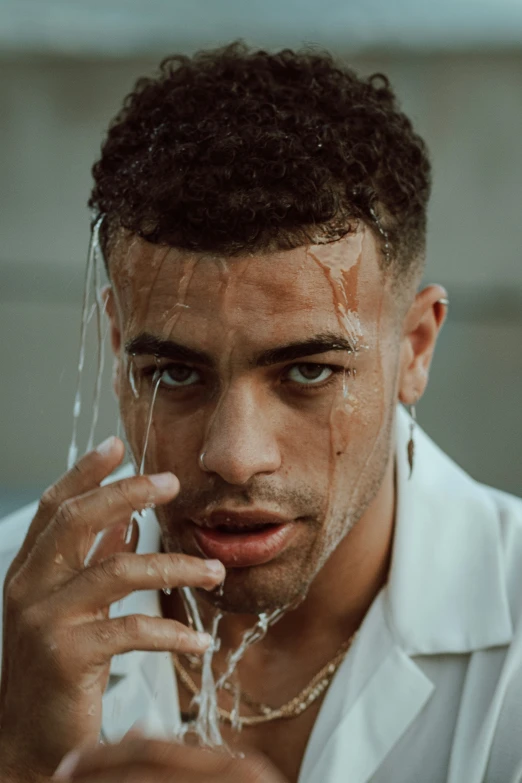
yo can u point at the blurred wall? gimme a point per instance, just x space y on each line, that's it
53 115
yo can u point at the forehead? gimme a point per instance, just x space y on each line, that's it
338 285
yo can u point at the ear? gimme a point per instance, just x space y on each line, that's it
421 328
111 309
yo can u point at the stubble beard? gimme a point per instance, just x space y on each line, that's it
285 585
286 581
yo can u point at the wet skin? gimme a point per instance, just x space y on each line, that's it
310 439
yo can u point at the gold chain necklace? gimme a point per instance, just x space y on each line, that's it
291 709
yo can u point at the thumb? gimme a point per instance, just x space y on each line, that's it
136 731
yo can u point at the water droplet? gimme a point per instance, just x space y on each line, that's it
156 378
132 380
77 404
128 532
93 265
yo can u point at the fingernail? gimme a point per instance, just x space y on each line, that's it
106 446
67 766
203 640
215 567
163 480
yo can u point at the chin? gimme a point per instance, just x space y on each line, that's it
260 589
279 583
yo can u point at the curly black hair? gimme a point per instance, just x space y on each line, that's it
234 150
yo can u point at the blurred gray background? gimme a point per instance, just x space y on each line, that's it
64 69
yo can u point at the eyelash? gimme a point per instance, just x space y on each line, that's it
310 387
306 388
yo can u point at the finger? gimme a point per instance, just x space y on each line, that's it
87 474
62 547
136 773
152 753
163 762
122 573
95 643
168 761
115 539
137 730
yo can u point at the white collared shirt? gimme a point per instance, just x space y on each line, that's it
431 690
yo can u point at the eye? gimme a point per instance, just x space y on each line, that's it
310 374
177 375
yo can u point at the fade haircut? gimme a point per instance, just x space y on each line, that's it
233 151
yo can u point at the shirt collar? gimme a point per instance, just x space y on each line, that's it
445 594
447 589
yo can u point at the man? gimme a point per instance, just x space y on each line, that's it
262 218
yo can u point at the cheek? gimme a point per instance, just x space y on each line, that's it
354 425
304 444
358 429
134 415
174 441
179 441
137 407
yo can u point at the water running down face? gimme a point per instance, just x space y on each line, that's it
284 369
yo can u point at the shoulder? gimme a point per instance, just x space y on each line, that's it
504 512
505 756
508 512
509 506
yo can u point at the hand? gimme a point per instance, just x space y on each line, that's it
153 761
58 637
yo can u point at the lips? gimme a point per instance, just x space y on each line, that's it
241 539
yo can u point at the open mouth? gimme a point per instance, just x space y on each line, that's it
239 543
243 529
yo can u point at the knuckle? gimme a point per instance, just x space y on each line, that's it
78 470
105 634
124 492
134 625
48 501
157 567
114 567
178 561
66 514
31 623
15 591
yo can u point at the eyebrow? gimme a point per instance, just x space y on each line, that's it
146 344
320 343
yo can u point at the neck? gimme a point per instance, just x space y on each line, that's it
341 593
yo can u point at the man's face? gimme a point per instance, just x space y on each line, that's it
282 369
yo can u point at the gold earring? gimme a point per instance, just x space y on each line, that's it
411 443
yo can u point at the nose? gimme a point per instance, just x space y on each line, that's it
240 442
